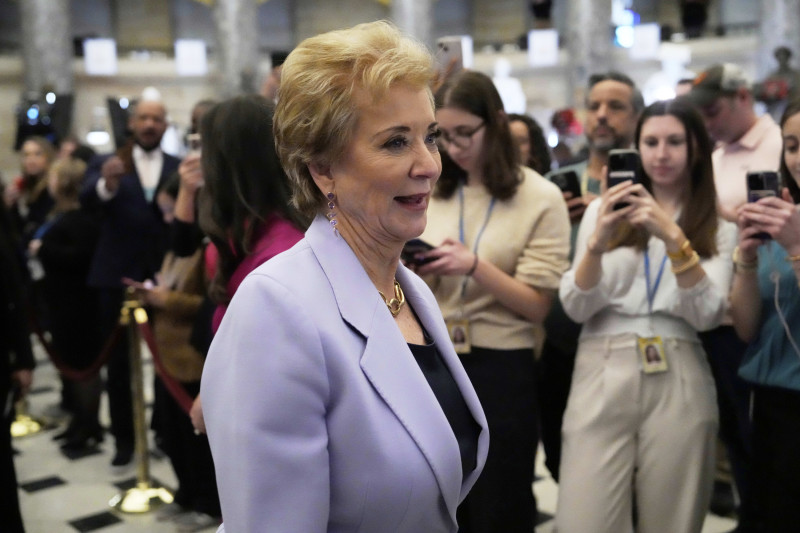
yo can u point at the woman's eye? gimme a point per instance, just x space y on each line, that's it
433 136
396 143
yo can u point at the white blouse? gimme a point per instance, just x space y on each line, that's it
619 303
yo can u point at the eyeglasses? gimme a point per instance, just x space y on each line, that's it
462 138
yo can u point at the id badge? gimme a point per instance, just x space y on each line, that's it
459 335
652 355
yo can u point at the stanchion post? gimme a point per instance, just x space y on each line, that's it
146 496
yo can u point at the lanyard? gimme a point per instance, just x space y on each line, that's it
461 228
651 293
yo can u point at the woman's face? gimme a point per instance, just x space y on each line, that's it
384 179
34 159
663 147
791 146
519 131
462 137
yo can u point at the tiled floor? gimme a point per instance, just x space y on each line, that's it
64 495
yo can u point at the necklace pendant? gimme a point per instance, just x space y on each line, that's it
394 306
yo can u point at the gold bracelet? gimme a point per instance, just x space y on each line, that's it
793 258
683 267
684 252
743 266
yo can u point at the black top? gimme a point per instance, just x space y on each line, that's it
444 387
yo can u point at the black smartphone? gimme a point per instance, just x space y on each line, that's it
414 247
761 184
623 165
567 181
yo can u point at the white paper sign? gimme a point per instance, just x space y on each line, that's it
100 57
190 57
542 48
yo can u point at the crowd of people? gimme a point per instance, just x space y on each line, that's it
310 380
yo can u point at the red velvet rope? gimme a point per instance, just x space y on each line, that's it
174 387
67 371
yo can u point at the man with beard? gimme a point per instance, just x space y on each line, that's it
132 242
613 105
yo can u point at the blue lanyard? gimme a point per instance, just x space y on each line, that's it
651 293
461 227
461 219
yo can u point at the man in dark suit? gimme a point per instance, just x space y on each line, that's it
132 242
16 365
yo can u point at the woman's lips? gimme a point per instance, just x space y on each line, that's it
419 201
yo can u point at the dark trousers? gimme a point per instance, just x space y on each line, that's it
10 517
118 384
190 454
725 351
502 499
776 458
554 379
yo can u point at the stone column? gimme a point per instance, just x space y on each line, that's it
589 37
46 46
414 17
237 45
780 20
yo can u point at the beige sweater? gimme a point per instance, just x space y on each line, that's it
527 237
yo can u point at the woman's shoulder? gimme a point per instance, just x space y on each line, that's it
534 183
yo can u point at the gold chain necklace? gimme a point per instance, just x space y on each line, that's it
396 303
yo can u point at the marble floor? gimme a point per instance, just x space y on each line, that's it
61 494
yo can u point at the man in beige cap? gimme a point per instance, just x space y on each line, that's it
723 94
745 141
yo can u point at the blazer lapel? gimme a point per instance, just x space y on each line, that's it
387 361
430 315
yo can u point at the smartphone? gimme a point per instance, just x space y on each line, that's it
623 165
453 53
194 142
414 247
567 181
761 184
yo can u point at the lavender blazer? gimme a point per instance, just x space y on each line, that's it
318 416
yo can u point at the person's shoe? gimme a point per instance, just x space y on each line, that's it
65 434
170 511
122 458
82 439
194 521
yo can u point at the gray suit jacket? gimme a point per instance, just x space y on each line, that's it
318 415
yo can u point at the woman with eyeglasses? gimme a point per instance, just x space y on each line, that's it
501 233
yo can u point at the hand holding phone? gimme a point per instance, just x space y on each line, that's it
623 165
414 247
567 181
762 184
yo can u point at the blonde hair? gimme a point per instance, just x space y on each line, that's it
69 177
321 81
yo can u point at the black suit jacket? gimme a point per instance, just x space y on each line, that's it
15 347
133 235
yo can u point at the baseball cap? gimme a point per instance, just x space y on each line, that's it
719 80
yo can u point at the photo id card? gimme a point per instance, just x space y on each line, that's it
459 335
652 355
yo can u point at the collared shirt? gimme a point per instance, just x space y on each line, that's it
148 168
758 149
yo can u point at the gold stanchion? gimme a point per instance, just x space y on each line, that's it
24 424
146 496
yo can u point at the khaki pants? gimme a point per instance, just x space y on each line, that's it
626 433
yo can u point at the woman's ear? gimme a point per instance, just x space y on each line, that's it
322 175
